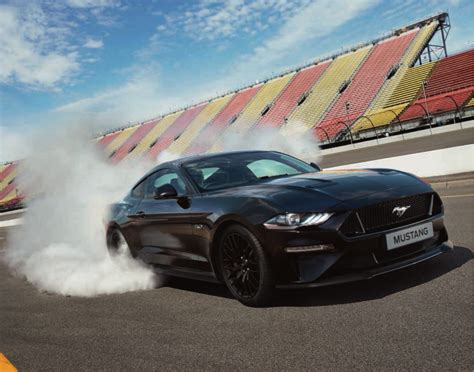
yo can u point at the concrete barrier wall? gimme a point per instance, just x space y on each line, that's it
400 137
452 160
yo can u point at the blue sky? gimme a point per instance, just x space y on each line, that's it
111 62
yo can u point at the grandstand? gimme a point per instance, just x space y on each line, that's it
450 85
226 117
9 193
395 83
356 98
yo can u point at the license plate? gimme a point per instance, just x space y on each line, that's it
410 235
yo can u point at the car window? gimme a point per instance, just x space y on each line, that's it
139 190
271 168
228 170
207 172
161 178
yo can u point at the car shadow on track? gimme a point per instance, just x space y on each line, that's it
367 290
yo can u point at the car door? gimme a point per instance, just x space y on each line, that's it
165 225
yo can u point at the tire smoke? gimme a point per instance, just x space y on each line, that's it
61 245
294 140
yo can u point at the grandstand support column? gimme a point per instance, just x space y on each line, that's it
348 106
444 26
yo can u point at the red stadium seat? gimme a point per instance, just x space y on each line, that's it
440 103
210 132
365 83
174 130
288 100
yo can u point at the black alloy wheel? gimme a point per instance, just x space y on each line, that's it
245 268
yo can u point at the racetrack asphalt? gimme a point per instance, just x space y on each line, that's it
417 318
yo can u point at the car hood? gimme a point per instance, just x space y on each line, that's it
326 189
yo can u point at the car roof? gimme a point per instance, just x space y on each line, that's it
188 159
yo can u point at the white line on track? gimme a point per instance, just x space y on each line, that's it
456 196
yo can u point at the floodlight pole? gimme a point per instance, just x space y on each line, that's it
348 105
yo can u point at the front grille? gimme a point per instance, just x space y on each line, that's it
352 226
383 216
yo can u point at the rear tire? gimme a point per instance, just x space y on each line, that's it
117 244
245 267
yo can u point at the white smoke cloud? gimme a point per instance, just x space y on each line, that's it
61 246
294 140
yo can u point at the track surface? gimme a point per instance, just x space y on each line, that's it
420 317
410 146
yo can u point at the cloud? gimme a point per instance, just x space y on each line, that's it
460 40
141 96
92 3
13 145
32 52
138 98
302 27
309 24
214 19
93 44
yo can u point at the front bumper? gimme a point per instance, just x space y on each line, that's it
354 258
379 270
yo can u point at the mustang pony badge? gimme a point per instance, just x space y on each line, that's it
400 211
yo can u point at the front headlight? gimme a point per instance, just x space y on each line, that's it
291 221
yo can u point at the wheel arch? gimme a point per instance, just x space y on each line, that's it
219 231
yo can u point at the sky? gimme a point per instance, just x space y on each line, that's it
109 63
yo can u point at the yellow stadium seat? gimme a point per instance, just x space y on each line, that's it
406 91
10 196
413 51
265 96
119 140
253 111
152 136
5 181
378 118
326 89
400 90
207 114
411 83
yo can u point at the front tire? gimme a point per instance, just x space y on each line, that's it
245 267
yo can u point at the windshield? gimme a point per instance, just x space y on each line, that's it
219 172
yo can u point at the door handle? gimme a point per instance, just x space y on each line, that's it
140 214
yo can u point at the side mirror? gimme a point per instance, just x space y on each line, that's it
315 166
165 191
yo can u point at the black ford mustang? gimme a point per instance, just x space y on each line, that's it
257 220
